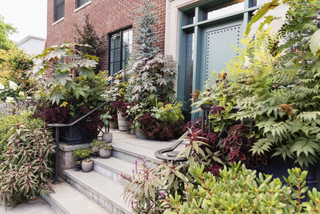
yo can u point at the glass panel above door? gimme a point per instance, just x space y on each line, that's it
223 9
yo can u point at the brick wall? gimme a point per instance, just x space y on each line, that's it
106 15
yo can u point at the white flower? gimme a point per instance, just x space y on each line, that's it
10 100
21 94
13 85
1 86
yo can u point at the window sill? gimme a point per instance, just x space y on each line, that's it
58 21
82 6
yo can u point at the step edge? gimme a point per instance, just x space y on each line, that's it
120 207
111 168
136 154
62 208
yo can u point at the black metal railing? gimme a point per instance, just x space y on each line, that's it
57 137
205 123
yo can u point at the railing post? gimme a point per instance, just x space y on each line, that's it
56 166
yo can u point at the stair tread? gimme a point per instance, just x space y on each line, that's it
116 165
134 150
102 185
71 201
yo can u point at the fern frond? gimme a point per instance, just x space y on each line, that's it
308 116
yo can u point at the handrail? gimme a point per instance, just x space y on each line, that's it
58 125
81 118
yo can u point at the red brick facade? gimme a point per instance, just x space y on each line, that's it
107 16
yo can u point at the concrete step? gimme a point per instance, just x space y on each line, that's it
100 189
68 200
113 168
131 152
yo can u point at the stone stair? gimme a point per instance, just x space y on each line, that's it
101 190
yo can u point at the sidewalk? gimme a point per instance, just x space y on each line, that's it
39 206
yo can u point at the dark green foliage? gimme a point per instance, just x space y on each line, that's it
90 37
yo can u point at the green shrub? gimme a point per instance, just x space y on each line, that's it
240 190
81 153
26 172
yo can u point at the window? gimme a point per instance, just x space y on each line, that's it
120 50
81 2
58 9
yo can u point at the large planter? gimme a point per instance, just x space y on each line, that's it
140 135
114 125
104 153
279 168
87 166
71 135
107 137
122 123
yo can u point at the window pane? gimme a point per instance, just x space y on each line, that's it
116 67
59 9
82 2
224 9
190 19
117 55
111 55
111 68
117 41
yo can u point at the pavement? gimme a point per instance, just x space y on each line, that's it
39 206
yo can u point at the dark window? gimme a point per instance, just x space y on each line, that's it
58 9
81 2
120 50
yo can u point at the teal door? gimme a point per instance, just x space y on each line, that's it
217 44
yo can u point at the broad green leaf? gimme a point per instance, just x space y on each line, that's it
315 42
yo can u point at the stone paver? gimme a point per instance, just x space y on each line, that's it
39 206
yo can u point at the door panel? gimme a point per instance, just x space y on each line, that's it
217 49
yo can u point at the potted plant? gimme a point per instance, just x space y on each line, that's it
87 165
105 150
107 136
95 144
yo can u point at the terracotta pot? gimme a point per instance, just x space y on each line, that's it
104 153
87 166
122 123
107 137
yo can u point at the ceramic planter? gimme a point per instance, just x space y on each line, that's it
104 153
107 137
87 166
122 123
140 135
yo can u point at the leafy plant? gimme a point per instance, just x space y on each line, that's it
87 160
152 78
27 169
81 153
96 143
167 112
63 59
90 37
105 146
7 129
239 190
105 118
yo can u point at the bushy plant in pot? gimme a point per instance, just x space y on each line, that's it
95 144
87 165
105 150
106 136
79 155
70 92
